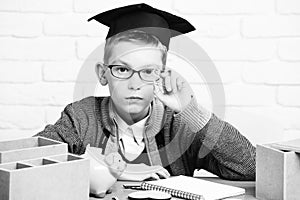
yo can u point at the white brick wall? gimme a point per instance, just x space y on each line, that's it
255 46
288 6
289 49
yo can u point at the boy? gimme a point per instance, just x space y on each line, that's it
151 115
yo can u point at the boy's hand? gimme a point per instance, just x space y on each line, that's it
140 172
178 92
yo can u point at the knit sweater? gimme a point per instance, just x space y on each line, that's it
192 139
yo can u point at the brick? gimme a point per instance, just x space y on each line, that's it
37 49
273 72
11 134
20 72
276 26
189 72
53 113
289 95
230 72
214 26
291 117
289 49
9 5
226 72
21 25
236 95
72 25
250 95
72 71
57 94
22 117
91 49
41 6
100 6
288 6
45 6
224 7
288 116
234 49
83 90
61 71
257 126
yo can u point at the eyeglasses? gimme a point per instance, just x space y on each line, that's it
149 74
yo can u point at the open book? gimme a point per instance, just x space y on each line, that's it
192 188
291 145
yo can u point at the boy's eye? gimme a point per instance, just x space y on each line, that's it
148 71
121 69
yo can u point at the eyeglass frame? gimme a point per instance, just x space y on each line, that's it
133 72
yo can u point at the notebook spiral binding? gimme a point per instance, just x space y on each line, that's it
174 193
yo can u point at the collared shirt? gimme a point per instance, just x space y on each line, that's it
131 138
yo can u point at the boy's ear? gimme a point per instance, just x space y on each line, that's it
100 71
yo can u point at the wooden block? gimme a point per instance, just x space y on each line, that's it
277 173
29 148
54 177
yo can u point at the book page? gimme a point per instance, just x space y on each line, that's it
209 190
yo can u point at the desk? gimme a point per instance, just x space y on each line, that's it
122 193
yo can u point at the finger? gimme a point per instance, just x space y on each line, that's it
174 84
167 84
166 80
162 174
166 172
159 83
154 176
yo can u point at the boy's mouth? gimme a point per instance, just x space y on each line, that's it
134 97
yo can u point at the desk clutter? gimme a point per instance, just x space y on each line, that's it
188 188
104 170
41 168
278 171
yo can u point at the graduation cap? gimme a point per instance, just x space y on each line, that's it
159 23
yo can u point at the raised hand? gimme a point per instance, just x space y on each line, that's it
173 90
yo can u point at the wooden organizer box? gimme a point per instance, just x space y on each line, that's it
277 173
41 168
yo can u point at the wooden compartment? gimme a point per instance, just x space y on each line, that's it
65 157
29 148
277 173
49 178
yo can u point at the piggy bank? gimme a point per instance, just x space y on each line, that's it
104 170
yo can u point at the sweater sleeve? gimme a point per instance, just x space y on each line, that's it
65 130
219 147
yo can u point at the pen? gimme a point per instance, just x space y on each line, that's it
134 186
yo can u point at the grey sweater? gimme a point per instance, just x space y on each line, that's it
192 139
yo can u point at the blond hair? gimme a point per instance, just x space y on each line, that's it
135 36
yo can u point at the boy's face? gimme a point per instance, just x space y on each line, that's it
132 97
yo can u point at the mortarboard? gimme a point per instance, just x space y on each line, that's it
159 23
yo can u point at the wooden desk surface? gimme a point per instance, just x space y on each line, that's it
121 193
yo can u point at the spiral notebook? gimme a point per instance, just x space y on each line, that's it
192 188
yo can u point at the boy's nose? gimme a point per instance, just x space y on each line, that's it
135 82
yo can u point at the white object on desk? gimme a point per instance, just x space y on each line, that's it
193 188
